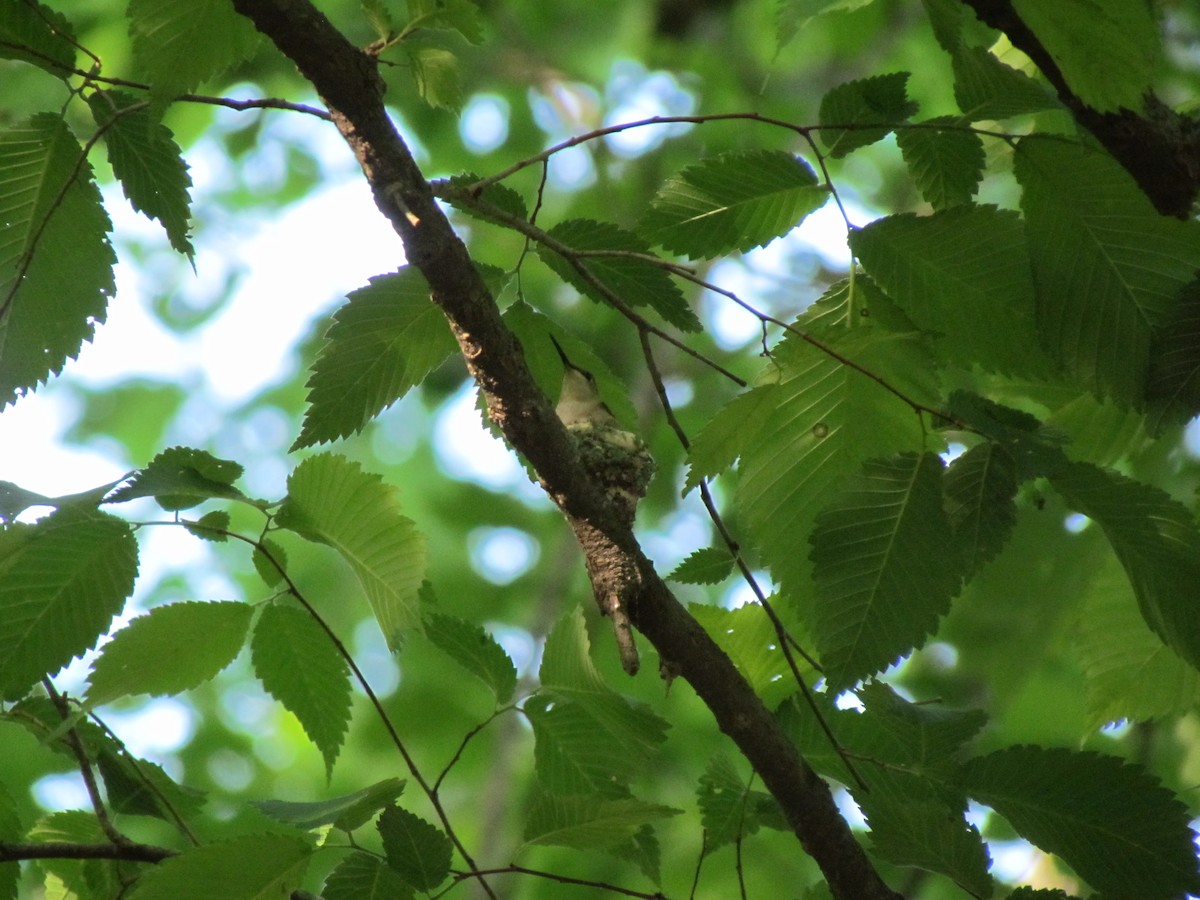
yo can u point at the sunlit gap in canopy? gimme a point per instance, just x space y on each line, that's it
230 329
778 279
502 555
564 109
466 450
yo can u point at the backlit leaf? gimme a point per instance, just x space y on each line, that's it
1121 831
157 653
476 651
1108 268
1157 541
882 576
946 163
733 202
61 582
417 851
55 257
147 162
382 343
332 501
962 273
1089 40
300 667
588 822
179 44
249 867
881 100
616 268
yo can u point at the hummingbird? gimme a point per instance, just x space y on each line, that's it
616 459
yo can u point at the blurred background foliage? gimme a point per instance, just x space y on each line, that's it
500 552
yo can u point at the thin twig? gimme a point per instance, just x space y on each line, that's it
785 638
446 191
149 785
75 744
804 130
566 879
429 790
94 77
463 744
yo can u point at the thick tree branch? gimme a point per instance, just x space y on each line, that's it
347 81
1157 146
66 850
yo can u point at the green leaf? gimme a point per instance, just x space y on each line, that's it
382 343
980 486
921 833
749 638
793 15
1173 383
250 867
302 669
1035 448
736 201
497 195
268 558
415 850
945 162
83 878
962 273
380 19
879 563
36 34
1130 673
61 582
178 44
635 281
462 16
820 423
476 651
1157 541
708 565
361 876
210 526
729 810
588 822
10 832
729 432
1109 51
881 100
1112 823
1107 267
55 258
158 654
435 72
332 501
141 788
147 162
1092 430
585 733
920 737
347 812
985 88
182 477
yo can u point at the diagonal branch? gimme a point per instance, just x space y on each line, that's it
1159 147
347 81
